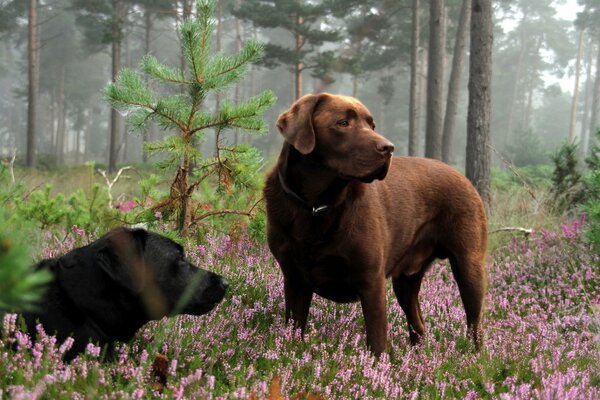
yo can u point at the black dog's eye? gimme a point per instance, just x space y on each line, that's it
343 123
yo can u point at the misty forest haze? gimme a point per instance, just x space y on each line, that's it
354 48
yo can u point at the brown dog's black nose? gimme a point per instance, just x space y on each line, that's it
385 146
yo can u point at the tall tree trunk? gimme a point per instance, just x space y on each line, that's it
575 101
435 79
413 113
32 96
237 94
518 73
79 124
60 129
455 81
528 105
478 161
53 121
594 120
584 133
116 66
422 97
298 67
147 50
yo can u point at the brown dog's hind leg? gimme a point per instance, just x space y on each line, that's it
298 297
470 275
406 289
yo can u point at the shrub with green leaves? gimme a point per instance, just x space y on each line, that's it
526 148
566 179
49 211
180 109
591 184
20 285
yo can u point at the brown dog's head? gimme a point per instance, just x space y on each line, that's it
338 132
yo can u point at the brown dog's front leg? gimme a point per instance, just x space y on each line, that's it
298 296
372 300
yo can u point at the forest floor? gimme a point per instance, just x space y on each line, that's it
541 337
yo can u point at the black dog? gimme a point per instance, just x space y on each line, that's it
107 290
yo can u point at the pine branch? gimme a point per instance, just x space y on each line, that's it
128 91
247 115
152 67
197 39
224 70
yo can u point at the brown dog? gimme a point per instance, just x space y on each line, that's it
339 229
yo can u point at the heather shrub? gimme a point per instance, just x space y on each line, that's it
540 328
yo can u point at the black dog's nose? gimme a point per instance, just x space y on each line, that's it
385 146
224 284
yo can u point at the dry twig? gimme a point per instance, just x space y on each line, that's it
110 183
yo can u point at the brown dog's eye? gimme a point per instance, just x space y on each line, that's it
343 123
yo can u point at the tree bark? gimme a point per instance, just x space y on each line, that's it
576 89
528 106
60 129
236 100
298 67
455 81
478 157
513 98
116 66
594 123
32 96
147 39
413 113
586 100
435 79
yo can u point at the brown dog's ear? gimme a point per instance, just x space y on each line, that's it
296 125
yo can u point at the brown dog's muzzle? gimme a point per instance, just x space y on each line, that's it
385 147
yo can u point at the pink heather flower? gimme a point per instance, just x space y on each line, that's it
93 350
210 382
138 393
9 325
143 356
157 215
23 339
66 346
127 206
173 368
78 231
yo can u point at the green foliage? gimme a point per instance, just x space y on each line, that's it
80 209
20 285
536 176
526 148
183 114
297 18
592 207
591 184
566 179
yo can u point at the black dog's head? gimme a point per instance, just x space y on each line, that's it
145 266
107 290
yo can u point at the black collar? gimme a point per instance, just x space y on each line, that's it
296 198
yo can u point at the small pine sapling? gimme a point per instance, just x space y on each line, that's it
182 113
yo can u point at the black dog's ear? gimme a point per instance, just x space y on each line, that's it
122 258
296 124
